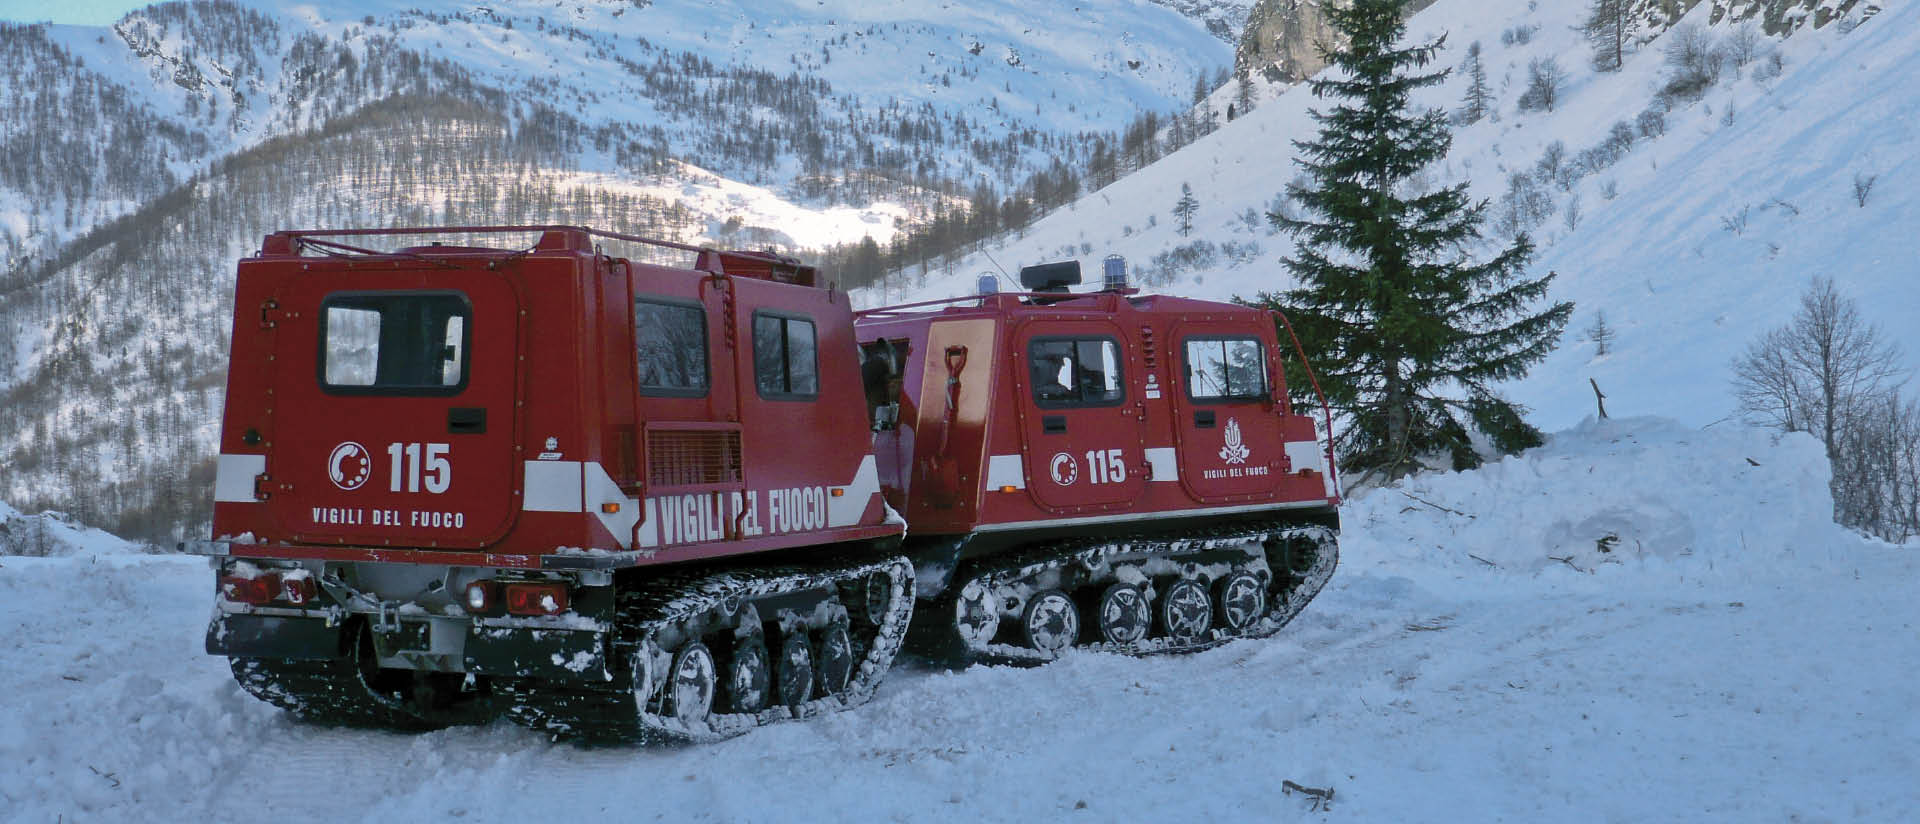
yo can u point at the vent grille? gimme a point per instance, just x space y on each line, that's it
692 457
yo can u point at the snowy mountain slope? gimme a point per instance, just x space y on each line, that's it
763 93
1698 672
1691 241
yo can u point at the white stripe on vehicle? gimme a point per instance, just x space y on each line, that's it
233 478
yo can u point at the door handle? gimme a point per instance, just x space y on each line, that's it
1053 424
1203 419
467 420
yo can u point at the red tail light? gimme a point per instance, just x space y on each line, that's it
525 598
259 590
298 591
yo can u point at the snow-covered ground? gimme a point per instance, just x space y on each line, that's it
1732 657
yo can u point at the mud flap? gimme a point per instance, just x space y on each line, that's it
562 655
271 636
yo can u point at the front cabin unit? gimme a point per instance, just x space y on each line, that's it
1024 417
550 407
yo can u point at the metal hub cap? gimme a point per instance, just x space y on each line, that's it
1052 622
1242 600
694 680
1124 614
836 659
748 681
794 672
975 615
1186 610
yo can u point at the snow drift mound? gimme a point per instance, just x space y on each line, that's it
1606 494
52 534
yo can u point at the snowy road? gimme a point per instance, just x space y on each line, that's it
1766 682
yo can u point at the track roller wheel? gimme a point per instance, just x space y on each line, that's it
877 590
1240 599
834 662
1052 622
1186 610
1124 614
749 675
694 683
793 673
976 616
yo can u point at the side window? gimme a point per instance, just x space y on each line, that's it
1225 369
1069 372
671 342
785 365
394 343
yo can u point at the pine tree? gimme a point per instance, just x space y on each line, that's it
1601 334
1410 334
1183 210
1479 99
1608 28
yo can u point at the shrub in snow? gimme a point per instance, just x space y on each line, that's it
1544 77
1862 187
1518 35
1651 123
1694 62
1523 206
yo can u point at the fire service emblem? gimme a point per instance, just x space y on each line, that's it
349 466
1235 452
1066 470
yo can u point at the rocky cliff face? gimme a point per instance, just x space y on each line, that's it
1283 37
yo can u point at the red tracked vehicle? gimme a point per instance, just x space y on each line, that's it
621 500
456 480
1100 470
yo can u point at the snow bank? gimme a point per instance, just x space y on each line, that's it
53 534
1607 494
1735 657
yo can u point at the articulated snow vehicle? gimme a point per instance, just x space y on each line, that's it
617 501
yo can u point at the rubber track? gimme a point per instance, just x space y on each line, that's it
330 692
609 714
1281 607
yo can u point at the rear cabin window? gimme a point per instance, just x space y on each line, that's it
785 363
672 347
1069 372
1222 369
395 343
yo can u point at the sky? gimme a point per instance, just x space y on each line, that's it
77 12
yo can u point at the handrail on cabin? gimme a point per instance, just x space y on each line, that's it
312 236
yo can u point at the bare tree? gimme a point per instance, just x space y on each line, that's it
1544 77
1609 28
1817 371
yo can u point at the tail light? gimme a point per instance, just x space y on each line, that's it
536 598
298 591
258 591
483 597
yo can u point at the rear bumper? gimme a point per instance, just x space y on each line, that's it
471 646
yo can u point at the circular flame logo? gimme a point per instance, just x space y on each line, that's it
349 466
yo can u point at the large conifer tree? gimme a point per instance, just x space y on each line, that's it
1409 332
